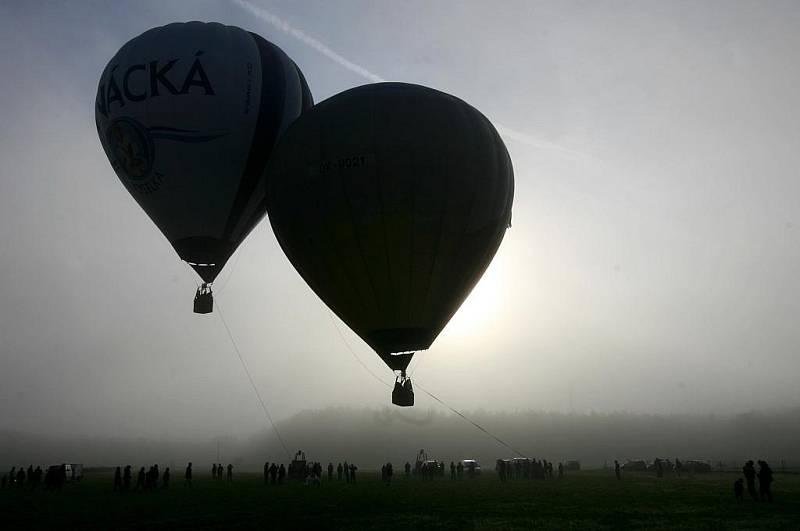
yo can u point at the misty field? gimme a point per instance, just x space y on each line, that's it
582 500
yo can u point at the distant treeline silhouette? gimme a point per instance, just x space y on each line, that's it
377 436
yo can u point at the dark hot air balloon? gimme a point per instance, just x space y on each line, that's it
390 200
188 115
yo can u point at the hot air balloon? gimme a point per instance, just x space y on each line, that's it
390 200
188 115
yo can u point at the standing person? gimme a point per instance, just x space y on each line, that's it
126 478
266 472
117 480
339 472
140 480
749 472
273 473
560 470
12 477
452 470
353 469
460 470
187 476
165 479
281 474
764 481
408 469
21 477
214 471
346 472
37 477
330 471
617 470
230 472
738 489
678 466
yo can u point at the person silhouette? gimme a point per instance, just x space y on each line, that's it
126 478
617 470
738 489
749 472
37 477
764 481
214 470
408 469
266 472
187 476
452 470
165 479
339 471
230 472
140 480
117 479
346 472
330 471
281 474
353 469
273 472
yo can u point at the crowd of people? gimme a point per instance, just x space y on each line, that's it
311 473
525 468
765 480
150 480
54 478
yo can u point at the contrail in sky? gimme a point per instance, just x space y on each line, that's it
285 27
279 23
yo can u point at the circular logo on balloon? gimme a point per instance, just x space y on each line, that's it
130 149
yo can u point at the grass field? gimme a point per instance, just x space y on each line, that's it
584 500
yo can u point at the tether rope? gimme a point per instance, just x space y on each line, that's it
451 408
252 382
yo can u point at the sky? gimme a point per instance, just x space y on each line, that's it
653 264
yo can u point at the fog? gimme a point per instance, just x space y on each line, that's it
652 266
370 437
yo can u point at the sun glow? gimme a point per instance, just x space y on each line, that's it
481 306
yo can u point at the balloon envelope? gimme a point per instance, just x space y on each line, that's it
188 115
390 200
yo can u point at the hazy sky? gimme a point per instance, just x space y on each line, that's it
653 265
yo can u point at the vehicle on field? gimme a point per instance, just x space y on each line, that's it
697 465
635 465
471 467
666 465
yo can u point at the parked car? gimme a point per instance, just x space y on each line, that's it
696 465
471 467
636 465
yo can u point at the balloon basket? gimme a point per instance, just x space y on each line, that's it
204 299
403 392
